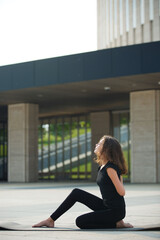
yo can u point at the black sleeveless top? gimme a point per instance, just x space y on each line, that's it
111 198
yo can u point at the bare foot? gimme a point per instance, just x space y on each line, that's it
122 224
46 223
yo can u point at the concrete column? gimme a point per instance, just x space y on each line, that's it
109 22
107 25
156 21
104 23
147 30
130 34
124 38
145 136
118 24
138 23
23 144
113 22
101 24
100 125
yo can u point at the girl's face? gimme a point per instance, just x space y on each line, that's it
99 147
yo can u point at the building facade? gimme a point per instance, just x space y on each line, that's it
53 111
125 22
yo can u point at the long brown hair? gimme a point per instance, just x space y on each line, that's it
112 151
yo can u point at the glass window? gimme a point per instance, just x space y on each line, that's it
3 151
65 147
121 131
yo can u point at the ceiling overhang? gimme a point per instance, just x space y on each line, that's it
83 82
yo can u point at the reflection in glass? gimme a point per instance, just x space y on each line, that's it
121 131
65 147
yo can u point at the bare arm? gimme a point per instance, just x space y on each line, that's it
115 179
121 179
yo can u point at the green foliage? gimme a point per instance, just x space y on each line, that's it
82 168
61 131
3 150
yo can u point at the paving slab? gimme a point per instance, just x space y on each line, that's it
29 203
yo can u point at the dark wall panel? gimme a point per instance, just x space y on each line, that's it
116 62
97 64
151 57
126 61
5 78
46 72
23 75
71 68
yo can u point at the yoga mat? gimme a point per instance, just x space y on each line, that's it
12 226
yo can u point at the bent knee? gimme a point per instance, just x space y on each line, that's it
75 191
79 222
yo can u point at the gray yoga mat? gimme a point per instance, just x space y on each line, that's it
12 226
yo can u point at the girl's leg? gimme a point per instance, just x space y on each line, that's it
97 220
77 195
108 218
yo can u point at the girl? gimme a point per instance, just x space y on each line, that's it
109 211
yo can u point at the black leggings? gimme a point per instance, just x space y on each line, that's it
101 217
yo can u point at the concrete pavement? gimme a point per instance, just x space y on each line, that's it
32 202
